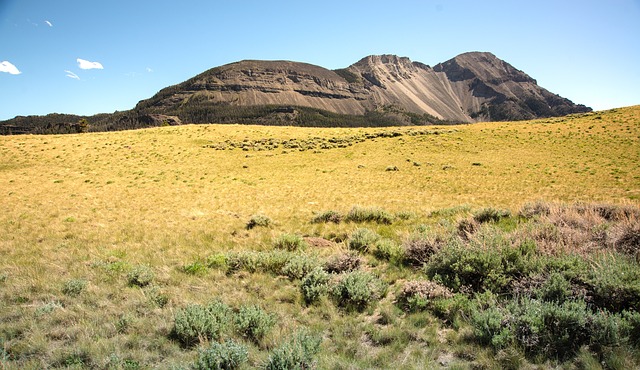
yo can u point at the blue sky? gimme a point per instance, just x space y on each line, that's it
87 57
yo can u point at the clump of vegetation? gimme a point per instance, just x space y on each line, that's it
297 353
228 355
362 240
258 221
141 275
197 323
327 216
253 322
314 285
195 268
299 266
356 290
419 247
418 295
388 250
290 242
369 214
491 215
74 287
345 262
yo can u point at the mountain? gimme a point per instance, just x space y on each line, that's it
377 90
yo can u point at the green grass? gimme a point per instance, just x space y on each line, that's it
109 238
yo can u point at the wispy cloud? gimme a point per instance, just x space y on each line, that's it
48 23
9 68
85 64
72 75
149 70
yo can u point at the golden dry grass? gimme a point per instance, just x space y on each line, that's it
74 206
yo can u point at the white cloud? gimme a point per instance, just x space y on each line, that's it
72 75
9 68
149 70
85 64
48 23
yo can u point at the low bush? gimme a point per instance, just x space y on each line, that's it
195 268
419 295
373 214
477 269
388 250
297 353
218 261
258 221
357 290
314 285
362 240
140 275
290 242
343 263
550 329
419 247
228 355
253 322
298 266
74 287
491 215
197 323
327 216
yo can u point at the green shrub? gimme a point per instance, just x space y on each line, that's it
555 289
491 215
551 329
218 260
314 285
489 327
157 297
474 269
299 266
253 322
258 221
74 287
614 283
374 214
633 327
195 268
478 269
228 355
357 290
195 323
140 275
388 250
297 353
327 216
362 240
290 242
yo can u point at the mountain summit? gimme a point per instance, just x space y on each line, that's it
471 87
377 90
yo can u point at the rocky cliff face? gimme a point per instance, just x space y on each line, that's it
468 88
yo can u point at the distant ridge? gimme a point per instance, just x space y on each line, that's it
378 90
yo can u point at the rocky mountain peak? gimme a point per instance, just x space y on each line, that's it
376 90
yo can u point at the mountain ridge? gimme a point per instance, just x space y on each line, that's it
376 90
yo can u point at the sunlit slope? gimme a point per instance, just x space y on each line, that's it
176 178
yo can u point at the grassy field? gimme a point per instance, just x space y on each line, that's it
107 238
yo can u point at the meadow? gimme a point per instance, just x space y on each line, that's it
242 246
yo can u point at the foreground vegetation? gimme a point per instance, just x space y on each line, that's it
242 247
